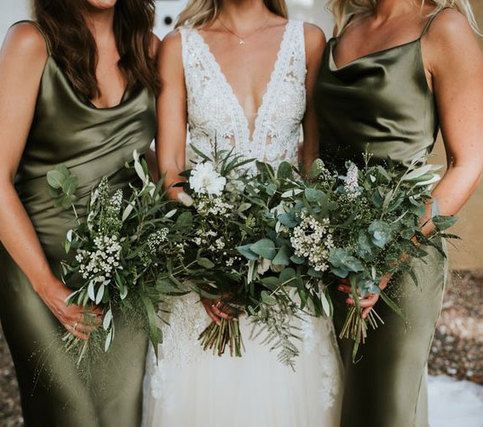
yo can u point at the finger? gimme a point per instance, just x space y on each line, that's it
73 317
220 313
369 301
84 329
82 336
344 288
385 281
366 312
212 315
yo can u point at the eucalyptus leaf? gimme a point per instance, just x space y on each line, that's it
282 257
265 248
247 252
285 171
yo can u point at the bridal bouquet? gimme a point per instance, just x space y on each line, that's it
238 259
124 253
360 226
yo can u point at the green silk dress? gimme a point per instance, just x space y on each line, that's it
92 143
381 103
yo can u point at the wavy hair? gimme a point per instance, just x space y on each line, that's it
201 12
343 9
74 48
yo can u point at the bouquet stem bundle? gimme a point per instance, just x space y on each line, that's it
218 337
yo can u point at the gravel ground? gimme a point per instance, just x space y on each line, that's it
456 350
458 342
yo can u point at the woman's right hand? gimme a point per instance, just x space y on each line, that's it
217 310
79 321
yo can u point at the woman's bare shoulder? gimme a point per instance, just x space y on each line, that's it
26 39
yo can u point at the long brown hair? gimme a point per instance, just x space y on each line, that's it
74 48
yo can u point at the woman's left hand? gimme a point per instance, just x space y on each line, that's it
367 303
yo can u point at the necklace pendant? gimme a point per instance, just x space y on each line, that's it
242 42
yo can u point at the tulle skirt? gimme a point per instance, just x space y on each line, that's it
188 387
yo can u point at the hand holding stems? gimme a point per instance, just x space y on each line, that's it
368 302
218 310
79 321
224 330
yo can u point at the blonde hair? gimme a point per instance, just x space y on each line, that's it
201 12
343 9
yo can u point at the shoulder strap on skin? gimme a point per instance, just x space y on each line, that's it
40 30
347 23
430 21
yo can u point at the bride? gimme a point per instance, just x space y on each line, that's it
239 72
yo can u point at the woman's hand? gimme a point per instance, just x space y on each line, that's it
218 310
79 321
369 301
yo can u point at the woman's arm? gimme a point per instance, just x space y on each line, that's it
455 63
171 135
172 113
22 59
314 48
455 66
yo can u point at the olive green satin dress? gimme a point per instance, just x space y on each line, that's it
381 103
92 143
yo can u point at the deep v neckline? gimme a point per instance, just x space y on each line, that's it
251 135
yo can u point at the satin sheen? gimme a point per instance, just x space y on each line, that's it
92 143
381 104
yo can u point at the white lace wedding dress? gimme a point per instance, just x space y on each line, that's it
188 387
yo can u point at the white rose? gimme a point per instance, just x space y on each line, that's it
205 180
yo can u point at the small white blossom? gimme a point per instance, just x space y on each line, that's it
98 265
312 240
351 182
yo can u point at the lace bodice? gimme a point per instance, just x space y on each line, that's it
215 114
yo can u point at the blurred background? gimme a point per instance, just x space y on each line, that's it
456 365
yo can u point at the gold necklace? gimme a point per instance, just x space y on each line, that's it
242 40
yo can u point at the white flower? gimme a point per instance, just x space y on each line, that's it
205 180
313 241
351 181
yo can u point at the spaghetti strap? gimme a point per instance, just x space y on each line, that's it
347 23
40 30
430 21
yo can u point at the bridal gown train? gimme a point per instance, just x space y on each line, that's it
188 387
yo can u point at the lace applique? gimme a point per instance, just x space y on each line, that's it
319 336
215 114
187 319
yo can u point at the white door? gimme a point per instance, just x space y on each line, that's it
307 10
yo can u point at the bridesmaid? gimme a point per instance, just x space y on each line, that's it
394 73
77 87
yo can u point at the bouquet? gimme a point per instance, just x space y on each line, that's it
237 257
361 226
125 253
